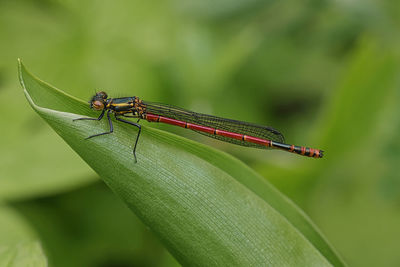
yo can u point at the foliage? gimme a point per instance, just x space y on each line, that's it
19 245
322 72
193 201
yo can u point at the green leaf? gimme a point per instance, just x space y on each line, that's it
22 174
373 69
207 207
18 243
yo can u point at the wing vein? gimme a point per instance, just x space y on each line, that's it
240 127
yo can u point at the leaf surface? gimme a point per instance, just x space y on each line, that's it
18 242
207 207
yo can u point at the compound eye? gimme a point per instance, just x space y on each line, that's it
98 105
102 94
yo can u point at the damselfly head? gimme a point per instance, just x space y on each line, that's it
98 101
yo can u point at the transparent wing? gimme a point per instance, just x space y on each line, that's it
240 127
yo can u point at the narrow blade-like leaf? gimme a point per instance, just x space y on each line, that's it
206 207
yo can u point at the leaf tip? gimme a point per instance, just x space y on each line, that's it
21 69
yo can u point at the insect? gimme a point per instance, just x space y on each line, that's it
232 131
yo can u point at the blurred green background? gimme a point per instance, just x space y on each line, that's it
325 73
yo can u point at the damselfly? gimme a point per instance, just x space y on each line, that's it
232 131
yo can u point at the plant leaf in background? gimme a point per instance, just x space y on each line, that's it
93 225
206 207
362 132
18 243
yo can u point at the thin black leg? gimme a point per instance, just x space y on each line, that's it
134 116
129 116
137 137
111 127
92 119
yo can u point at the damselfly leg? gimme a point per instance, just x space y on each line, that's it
99 118
109 123
137 137
133 116
112 127
92 119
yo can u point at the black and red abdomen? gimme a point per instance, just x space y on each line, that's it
237 138
308 151
301 150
